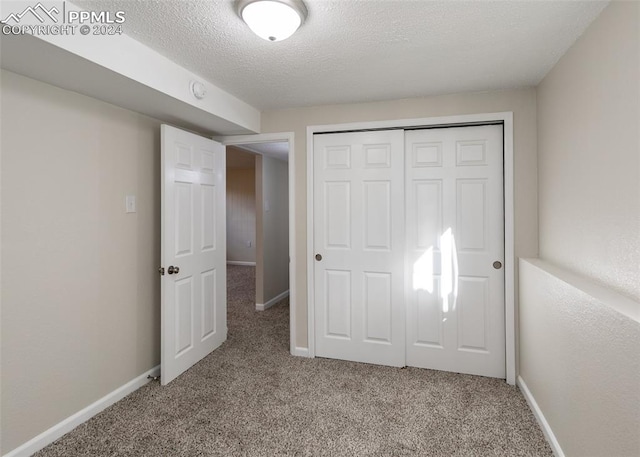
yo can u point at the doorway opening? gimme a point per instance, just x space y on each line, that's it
257 210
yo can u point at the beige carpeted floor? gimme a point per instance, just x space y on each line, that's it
251 398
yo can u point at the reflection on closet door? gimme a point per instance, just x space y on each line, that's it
455 250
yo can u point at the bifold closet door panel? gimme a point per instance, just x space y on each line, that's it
455 249
359 246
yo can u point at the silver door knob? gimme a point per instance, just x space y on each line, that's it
318 257
497 265
173 270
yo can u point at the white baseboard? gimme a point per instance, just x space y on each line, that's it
273 301
239 262
537 412
300 352
49 436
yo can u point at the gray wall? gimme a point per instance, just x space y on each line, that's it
80 288
579 357
272 186
589 153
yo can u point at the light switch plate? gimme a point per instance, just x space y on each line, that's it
130 204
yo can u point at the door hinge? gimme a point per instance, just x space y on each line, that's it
161 271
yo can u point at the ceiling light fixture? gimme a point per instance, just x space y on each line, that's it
272 20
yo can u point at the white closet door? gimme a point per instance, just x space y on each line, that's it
359 246
455 233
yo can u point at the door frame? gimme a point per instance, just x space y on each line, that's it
506 118
276 138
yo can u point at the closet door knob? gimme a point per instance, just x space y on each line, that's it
173 270
497 265
318 257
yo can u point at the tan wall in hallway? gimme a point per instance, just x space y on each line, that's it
523 104
81 299
241 214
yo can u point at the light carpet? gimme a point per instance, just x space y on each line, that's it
252 398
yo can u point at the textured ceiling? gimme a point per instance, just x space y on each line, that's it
362 50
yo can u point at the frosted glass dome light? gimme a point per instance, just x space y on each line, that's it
272 20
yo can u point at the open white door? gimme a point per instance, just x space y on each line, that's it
194 292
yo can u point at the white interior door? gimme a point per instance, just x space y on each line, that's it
359 249
194 291
455 233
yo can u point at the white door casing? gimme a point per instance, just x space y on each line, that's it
504 118
358 231
194 240
294 271
455 232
